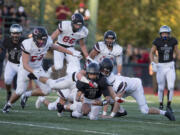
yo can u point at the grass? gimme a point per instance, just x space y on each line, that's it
31 121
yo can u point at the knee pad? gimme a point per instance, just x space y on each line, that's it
92 117
171 86
144 109
160 87
19 92
46 91
52 106
76 114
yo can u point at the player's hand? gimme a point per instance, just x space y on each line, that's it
154 66
77 54
31 76
37 74
93 84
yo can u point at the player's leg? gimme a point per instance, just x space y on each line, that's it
94 113
170 76
22 82
9 74
73 63
160 77
58 60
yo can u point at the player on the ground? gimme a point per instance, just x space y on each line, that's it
69 33
108 49
127 86
92 103
166 46
12 45
33 51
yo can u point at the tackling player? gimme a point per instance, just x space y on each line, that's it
33 51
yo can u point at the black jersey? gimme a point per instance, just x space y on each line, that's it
93 93
165 49
14 50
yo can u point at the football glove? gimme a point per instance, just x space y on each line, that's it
31 76
77 54
154 66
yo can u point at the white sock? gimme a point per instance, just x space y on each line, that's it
112 114
104 113
160 95
162 112
121 109
171 93
28 93
9 103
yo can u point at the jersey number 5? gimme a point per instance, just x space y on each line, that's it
68 39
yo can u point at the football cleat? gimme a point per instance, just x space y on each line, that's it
39 101
170 115
60 107
119 114
6 108
23 101
161 107
169 108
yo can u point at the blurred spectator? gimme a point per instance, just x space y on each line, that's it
128 54
21 16
84 11
144 56
5 19
1 19
62 12
2 54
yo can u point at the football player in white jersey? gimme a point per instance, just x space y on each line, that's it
68 33
108 49
33 51
127 86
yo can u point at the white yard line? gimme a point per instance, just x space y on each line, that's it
51 127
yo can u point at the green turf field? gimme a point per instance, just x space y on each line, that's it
31 121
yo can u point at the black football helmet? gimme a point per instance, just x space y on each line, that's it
40 36
78 20
106 67
15 32
93 68
112 35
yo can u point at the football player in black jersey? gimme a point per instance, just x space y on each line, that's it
12 45
166 46
92 102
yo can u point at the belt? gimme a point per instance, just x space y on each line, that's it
65 46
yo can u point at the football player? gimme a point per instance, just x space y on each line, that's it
166 46
33 51
69 33
92 103
108 49
12 45
127 86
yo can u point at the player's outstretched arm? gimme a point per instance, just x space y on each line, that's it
83 48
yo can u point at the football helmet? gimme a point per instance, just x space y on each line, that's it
15 32
106 67
77 22
110 38
165 29
93 69
40 36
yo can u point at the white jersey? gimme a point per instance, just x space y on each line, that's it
67 36
36 54
115 81
104 52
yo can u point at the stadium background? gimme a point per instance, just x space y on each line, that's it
135 22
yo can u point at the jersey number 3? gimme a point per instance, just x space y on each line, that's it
68 39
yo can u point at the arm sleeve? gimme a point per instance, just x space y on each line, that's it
119 60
